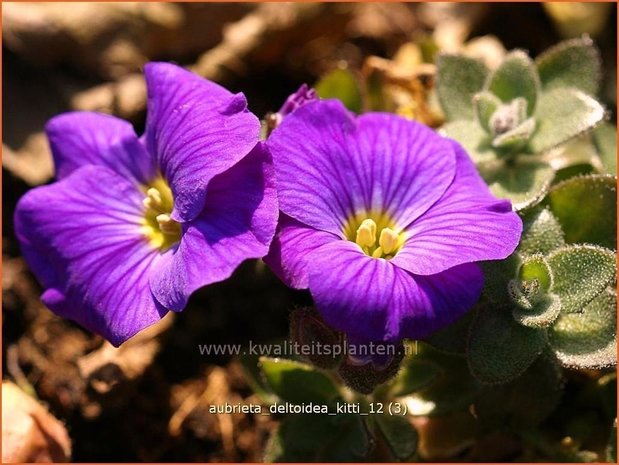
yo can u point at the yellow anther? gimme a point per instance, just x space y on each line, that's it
388 241
153 199
366 233
166 224
378 253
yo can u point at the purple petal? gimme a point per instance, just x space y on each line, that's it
238 222
84 138
330 166
293 243
82 239
468 224
197 130
374 300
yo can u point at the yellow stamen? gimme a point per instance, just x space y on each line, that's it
366 233
159 228
388 240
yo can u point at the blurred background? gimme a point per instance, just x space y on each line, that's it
148 401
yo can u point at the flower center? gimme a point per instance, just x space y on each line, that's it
375 234
161 230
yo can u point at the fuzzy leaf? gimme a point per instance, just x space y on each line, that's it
453 337
458 79
399 434
343 85
536 268
586 208
516 77
525 402
588 339
497 274
297 382
472 137
562 114
541 232
571 63
524 182
485 104
499 349
318 438
516 138
605 140
581 273
540 314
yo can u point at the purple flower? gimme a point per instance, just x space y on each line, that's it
383 220
134 226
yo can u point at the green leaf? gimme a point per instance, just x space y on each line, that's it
611 448
453 390
524 182
297 382
571 63
399 434
536 268
525 402
586 208
516 77
516 138
343 85
588 339
485 104
452 338
581 273
458 79
535 307
541 232
561 115
318 438
499 349
497 274
416 375
472 137
605 140
540 314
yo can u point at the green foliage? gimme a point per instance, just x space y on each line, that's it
499 349
563 114
399 435
416 375
534 305
458 81
587 339
524 181
341 84
581 273
297 382
541 232
453 337
523 114
452 389
586 208
318 438
605 140
516 77
572 63
524 402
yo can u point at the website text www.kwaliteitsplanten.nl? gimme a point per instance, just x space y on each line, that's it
315 348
